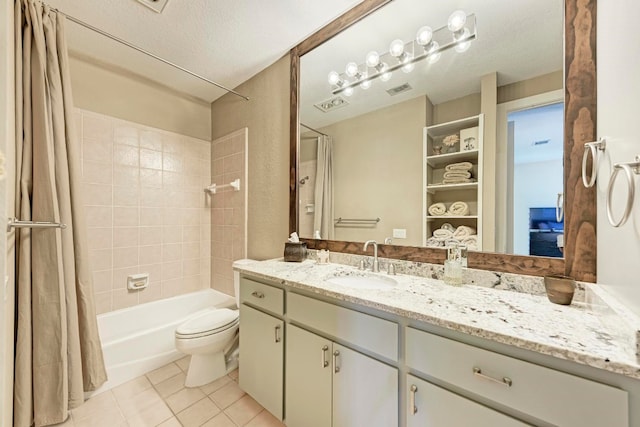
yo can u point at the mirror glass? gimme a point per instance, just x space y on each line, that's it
464 144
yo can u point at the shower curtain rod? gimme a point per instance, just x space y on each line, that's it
312 129
141 50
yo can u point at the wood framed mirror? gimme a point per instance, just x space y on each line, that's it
579 259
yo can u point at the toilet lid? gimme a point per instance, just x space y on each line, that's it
208 321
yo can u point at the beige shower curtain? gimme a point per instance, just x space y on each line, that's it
58 352
323 217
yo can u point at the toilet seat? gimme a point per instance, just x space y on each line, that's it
208 323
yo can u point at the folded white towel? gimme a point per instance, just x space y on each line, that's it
442 235
456 174
434 243
437 209
459 209
462 166
471 242
464 231
456 180
451 242
447 226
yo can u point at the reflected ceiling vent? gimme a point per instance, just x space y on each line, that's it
155 5
541 142
399 89
331 104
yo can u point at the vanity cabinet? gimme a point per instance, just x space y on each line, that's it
432 406
328 384
434 165
261 371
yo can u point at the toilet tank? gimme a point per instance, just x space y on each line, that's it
236 278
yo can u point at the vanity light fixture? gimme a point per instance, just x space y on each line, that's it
428 45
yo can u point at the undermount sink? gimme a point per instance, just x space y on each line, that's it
363 282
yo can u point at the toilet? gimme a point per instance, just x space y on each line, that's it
210 337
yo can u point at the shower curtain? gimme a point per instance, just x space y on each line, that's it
58 353
323 217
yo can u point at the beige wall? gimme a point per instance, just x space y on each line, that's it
146 209
455 109
378 171
117 93
267 117
534 86
7 134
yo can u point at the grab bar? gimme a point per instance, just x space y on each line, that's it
213 188
357 221
16 223
629 168
593 148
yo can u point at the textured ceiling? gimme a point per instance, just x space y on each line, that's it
227 41
517 39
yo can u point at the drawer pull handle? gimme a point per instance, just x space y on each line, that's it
414 408
325 362
277 333
336 367
504 381
257 294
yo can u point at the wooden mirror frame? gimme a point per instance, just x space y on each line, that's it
579 259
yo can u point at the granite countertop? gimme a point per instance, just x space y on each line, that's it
576 332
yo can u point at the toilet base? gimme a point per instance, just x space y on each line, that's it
205 368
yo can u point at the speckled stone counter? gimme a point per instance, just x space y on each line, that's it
588 331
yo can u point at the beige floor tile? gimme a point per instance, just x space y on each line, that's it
97 406
242 411
68 423
151 416
198 413
136 405
220 420
131 388
171 422
265 419
184 363
163 373
111 418
227 395
172 385
234 374
215 385
184 398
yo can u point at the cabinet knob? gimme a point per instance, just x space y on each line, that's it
412 402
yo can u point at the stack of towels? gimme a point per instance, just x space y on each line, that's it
456 209
457 173
448 235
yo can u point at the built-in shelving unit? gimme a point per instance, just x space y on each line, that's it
434 168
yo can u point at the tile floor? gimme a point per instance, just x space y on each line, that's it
159 398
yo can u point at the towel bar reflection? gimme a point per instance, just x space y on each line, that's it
630 169
594 148
16 223
357 221
213 188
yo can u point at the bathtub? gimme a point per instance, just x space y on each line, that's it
139 339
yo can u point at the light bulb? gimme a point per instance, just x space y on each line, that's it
424 36
348 91
334 78
456 20
461 35
386 76
463 47
433 55
365 84
408 67
466 44
396 48
352 69
372 59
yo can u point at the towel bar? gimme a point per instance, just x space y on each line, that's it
629 169
16 223
593 148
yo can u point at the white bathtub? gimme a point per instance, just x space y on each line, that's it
139 339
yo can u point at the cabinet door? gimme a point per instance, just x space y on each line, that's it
308 379
432 406
261 358
365 391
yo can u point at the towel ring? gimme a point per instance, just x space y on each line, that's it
559 207
593 148
629 168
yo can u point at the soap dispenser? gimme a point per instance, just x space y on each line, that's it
456 260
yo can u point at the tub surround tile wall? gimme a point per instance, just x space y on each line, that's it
146 209
229 208
527 321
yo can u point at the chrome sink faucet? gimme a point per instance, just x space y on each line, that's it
375 266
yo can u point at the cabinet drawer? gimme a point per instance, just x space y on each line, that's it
555 397
369 332
261 295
